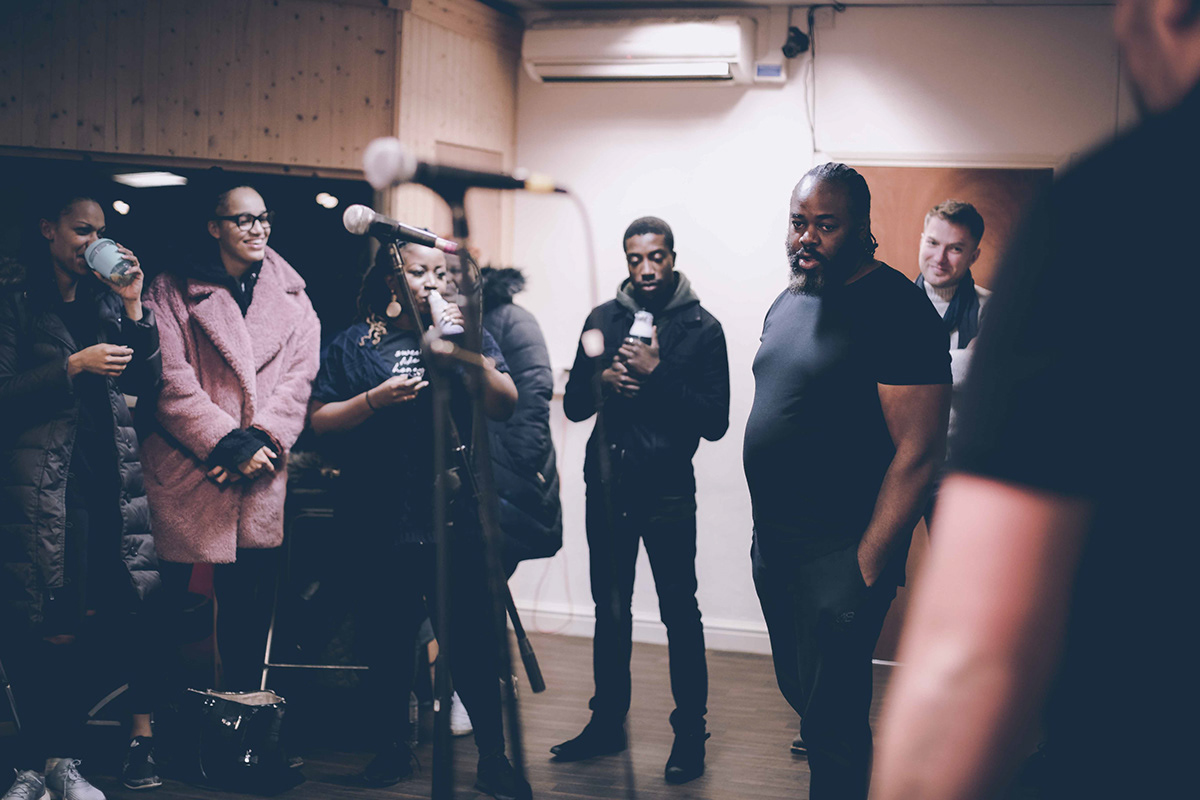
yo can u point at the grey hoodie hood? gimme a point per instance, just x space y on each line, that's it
683 296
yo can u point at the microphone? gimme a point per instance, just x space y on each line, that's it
361 220
386 163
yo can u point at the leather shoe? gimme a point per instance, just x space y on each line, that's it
687 758
597 739
392 764
496 776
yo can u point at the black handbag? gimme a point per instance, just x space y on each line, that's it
237 741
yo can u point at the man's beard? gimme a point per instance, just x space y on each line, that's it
828 274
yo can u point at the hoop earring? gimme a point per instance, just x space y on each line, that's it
394 309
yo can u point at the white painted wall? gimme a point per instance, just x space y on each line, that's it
975 85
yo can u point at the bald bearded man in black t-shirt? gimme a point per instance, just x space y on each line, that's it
852 394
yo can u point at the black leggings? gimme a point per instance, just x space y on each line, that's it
245 592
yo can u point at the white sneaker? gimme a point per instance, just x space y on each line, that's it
460 721
65 783
29 785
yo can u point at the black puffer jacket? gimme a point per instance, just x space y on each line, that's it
653 436
40 411
522 451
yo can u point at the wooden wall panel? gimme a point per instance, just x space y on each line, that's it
300 82
458 93
11 77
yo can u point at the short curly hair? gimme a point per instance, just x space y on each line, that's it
960 213
644 225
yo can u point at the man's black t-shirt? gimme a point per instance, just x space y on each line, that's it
1080 391
817 445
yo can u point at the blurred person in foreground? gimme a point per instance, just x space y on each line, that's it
1065 531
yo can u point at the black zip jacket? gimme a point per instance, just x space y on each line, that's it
40 410
652 437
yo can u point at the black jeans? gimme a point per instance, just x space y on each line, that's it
824 621
667 526
54 684
399 590
245 594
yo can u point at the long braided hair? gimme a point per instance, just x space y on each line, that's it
860 197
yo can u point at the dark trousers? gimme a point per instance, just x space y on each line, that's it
54 684
667 526
823 622
245 595
399 592
94 622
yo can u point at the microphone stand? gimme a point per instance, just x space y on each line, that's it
443 760
437 354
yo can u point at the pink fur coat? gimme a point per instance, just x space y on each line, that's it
223 371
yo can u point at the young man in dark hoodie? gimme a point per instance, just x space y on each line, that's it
654 402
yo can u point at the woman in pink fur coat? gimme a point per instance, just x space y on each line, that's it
240 346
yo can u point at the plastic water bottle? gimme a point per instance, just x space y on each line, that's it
642 327
437 306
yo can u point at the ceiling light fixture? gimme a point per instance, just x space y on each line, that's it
150 180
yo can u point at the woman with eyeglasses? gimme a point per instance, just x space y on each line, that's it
77 565
240 347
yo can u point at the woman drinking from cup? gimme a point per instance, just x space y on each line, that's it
76 557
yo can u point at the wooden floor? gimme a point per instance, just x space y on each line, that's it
748 754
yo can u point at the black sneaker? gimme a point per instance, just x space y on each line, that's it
390 765
139 771
799 748
597 739
497 777
686 762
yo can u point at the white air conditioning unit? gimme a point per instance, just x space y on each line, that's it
719 50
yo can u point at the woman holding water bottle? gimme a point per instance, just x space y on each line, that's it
372 399
76 556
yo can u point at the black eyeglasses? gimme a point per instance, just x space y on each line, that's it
246 221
